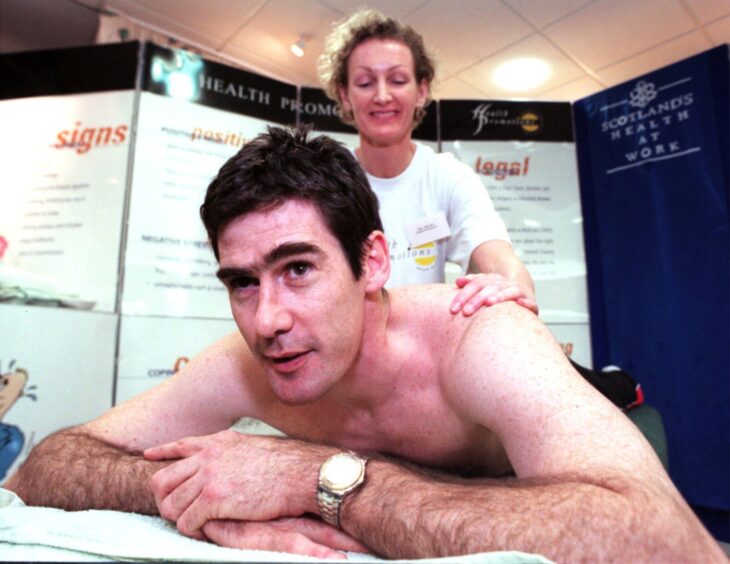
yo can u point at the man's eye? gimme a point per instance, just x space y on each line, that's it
242 282
299 269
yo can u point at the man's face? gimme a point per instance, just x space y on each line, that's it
294 298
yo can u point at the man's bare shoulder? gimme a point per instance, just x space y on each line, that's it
426 307
224 375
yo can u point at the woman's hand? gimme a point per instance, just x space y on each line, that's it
484 290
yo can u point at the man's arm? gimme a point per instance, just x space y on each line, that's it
588 487
74 470
99 464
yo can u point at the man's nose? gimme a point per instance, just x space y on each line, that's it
272 316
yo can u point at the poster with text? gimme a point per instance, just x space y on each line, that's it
654 161
57 369
169 343
62 191
195 116
525 156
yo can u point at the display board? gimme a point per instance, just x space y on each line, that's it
525 155
193 116
655 184
64 176
53 378
169 343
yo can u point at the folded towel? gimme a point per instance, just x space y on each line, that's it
45 534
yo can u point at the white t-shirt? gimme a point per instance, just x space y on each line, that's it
434 182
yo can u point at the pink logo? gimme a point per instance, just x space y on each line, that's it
3 246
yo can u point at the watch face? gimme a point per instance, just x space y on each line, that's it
342 471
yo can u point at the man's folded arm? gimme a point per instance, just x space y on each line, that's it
74 470
99 465
409 513
588 487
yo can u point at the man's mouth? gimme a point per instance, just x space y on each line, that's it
288 362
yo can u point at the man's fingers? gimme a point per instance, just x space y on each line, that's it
263 536
168 481
321 533
176 449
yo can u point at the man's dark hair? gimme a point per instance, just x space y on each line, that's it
286 164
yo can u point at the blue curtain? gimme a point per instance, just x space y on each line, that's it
653 160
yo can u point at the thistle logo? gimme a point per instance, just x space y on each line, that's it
642 94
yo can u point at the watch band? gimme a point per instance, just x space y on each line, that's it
333 486
329 506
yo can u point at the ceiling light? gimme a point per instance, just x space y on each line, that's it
520 75
298 47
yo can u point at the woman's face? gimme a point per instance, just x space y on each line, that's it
382 92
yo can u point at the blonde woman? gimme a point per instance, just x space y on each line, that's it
380 75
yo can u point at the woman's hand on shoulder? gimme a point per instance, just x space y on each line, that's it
484 290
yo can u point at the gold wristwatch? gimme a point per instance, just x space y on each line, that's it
339 475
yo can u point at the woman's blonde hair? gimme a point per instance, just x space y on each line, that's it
352 31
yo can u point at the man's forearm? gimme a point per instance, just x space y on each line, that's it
408 514
73 470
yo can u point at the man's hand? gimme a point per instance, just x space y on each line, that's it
298 535
478 290
229 475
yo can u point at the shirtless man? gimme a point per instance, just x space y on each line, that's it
478 434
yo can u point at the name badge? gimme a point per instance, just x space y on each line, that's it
428 229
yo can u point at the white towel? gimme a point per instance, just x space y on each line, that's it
45 534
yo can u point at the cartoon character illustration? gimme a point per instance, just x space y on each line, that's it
12 387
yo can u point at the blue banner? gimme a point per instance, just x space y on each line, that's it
653 161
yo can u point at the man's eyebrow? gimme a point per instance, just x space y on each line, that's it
276 254
286 250
228 273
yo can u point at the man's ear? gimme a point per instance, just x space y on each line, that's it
377 262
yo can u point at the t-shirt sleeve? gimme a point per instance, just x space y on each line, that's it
471 214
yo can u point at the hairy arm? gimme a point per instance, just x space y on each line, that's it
587 488
74 470
99 465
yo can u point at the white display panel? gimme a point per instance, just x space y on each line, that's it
534 187
62 187
153 348
169 267
68 357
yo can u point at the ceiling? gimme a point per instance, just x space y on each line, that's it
590 44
